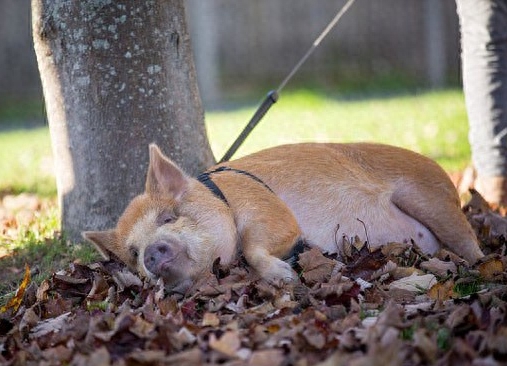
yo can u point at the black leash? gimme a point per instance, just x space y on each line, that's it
272 96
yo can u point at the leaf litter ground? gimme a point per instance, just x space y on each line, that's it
393 306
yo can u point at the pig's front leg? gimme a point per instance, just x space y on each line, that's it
261 251
271 268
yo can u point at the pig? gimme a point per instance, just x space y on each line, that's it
263 204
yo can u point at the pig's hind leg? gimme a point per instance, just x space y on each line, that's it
438 209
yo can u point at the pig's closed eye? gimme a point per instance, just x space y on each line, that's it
134 253
165 218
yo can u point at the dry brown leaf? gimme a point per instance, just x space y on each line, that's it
99 357
315 266
125 279
395 249
495 223
185 337
141 327
314 337
366 264
414 283
425 345
228 344
442 291
491 268
402 272
210 320
147 357
58 355
29 320
15 302
268 357
439 267
461 315
401 295
192 357
477 203
50 325
497 342
445 255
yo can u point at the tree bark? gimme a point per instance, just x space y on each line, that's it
116 76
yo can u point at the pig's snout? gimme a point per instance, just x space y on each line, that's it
156 255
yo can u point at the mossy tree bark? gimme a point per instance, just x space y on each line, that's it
116 76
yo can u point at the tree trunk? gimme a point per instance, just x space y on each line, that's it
116 76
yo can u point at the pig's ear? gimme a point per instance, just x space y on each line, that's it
164 177
104 242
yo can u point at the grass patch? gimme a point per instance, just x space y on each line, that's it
25 162
39 245
467 288
432 123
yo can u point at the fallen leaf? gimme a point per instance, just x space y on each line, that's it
315 266
147 357
191 357
125 279
426 346
15 302
228 344
414 283
442 291
57 355
185 336
29 320
491 269
477 203
439 267
268 357
462 317
99 357
50 325
366 264
395 249
314 338
210 320
142 328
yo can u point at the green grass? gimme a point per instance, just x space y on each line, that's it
41 247
25 162
433 123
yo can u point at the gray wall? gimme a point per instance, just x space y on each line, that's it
260 41
240 44
19 76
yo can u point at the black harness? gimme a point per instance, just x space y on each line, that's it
205 178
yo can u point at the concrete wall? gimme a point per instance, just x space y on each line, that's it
240 44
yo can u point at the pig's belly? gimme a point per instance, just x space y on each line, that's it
325 228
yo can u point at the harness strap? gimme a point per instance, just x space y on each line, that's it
293 256
205 178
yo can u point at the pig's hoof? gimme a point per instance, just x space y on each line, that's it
279 273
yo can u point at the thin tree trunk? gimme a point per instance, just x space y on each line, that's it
116 76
